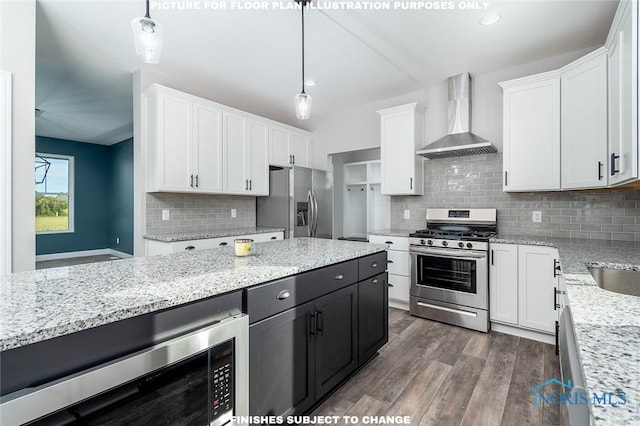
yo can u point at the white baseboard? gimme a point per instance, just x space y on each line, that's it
120 254
398 304
82 253
521 332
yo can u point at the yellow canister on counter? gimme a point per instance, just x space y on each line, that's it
243 246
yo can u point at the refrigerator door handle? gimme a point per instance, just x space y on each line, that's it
315 213
310 214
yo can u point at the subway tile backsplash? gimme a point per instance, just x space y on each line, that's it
476 182
198 212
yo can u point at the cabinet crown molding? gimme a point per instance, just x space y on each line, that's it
545 76
402 108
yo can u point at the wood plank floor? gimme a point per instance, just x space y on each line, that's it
56 263
444 375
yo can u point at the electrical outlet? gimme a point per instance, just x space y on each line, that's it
537 216
234 213
165 214
117 240
407 214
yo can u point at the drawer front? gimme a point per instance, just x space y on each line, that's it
270 236
372 265
203 244
399 287
269 299
392 243
399 262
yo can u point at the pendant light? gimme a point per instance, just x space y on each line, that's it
147 35
302 100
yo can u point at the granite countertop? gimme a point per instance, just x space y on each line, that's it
391 233
606 324
186 236
47 303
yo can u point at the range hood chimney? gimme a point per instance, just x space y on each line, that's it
459 140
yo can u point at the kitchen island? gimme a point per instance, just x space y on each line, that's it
47 303
606 324
64 321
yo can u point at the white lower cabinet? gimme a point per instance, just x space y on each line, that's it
522 285
503 283
399 268
164 247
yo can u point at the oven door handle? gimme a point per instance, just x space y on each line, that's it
464 255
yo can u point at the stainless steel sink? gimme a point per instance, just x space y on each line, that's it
617 280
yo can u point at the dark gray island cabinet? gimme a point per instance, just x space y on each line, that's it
310 332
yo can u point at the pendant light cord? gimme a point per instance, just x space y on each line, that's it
302 3
147 14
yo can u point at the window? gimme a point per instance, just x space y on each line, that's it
54 193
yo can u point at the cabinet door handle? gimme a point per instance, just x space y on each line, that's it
294 159
389 285
284 294
191 183
491 257
250 184
389 261
410 183
320 322
290 159
189 248
555 299
374 265
614 157
224 243
273 238
312 324
338 277
600 170
505 178
197 181
557 338
246 184
388 242
556 268
374 281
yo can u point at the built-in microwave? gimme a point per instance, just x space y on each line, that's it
196 379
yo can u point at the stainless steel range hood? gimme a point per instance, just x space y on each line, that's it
459 140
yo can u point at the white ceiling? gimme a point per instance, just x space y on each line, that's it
251 59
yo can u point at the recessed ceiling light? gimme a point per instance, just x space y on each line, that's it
489 19
310 83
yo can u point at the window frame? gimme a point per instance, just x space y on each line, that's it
71 192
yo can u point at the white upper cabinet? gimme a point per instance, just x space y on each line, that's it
300 148
584 122
184 146
623 94
288 147
207 153
531 130
245 148
401 130
195 145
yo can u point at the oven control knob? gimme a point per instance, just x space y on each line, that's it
461 244
429 242
444 243
422 242
469 245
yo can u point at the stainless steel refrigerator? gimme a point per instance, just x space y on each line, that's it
299 201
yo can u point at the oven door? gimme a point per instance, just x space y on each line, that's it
454 276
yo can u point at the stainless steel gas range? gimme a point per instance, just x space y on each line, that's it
450 267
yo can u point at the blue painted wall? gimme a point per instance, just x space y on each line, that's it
122 196
103 197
